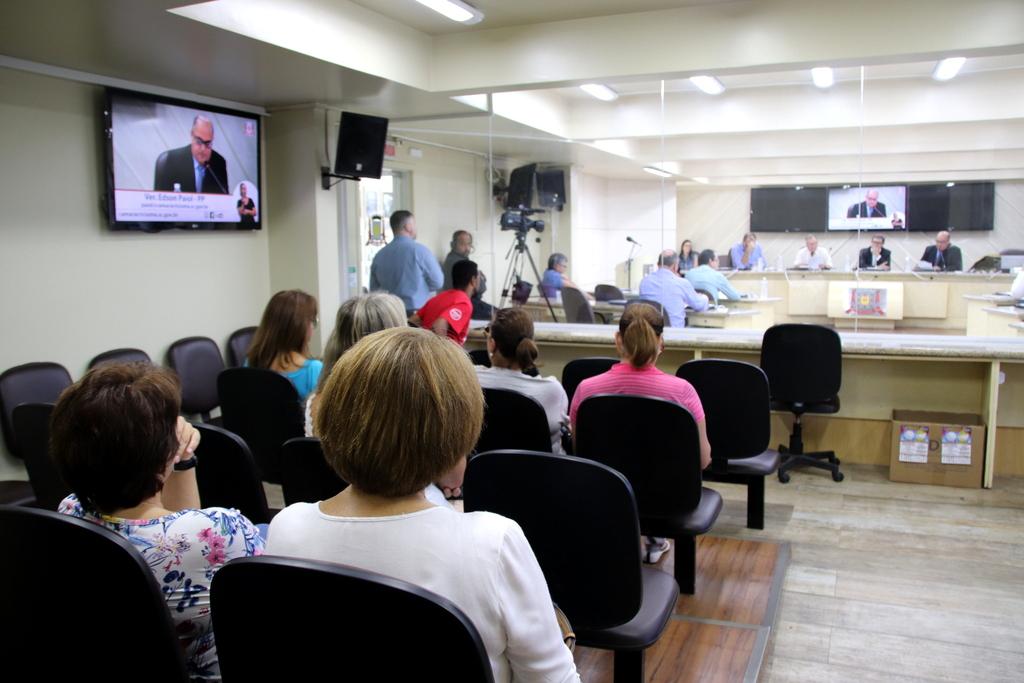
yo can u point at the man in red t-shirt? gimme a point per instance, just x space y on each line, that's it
448 314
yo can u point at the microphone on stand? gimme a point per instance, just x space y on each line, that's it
209 169
630 239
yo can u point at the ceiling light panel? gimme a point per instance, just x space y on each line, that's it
456 10
823 76
708 84
948 68
600 91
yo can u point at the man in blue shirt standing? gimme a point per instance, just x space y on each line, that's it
404 267
706 276
747 255
671 291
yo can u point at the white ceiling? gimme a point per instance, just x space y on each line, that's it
771 125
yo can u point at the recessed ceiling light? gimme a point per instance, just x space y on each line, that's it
456 10
950 184
948 68
708 84
654 170
799 187
822 76
600 91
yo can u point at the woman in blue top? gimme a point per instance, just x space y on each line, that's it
281 342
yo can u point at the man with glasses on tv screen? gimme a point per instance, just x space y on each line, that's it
196 167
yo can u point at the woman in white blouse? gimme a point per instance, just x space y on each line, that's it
513 352
401 408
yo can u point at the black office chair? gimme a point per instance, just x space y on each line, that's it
28 383
52 598
263 408
227 476
120 356
725 261
513 420
596 579
655 444
579 369
737 415
712 299
323 617
804 365
480 357
238 346
649 302
305 475
608 293
577 308
32 427
197 361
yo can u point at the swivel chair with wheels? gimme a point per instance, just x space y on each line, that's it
804 365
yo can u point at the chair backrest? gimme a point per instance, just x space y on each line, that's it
197 361
227 476
737 413
32 428
804 363
48 597
724 260
653 442
579 369
650 302
608 293
592 571
332 618
238 346
263 408
712 299
513 420
305 475
480 357
577 308
120 356
28 383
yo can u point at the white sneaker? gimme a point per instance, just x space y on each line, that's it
656 550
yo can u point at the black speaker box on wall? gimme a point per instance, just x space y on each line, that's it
551 188
361 145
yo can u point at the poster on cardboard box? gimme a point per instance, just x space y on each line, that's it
956 445
914 443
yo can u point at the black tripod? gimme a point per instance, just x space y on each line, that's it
515 270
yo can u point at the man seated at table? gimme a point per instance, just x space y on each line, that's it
876 256
706 277
813 257
942 255
747 254
448 314
671 291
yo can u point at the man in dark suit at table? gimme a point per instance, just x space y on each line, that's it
943 255
869 208
876 256
194 167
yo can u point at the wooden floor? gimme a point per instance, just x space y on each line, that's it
719 633
893 582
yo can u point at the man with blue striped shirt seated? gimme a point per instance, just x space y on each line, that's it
706 276
671 291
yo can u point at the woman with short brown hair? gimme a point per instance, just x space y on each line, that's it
117 440
401 408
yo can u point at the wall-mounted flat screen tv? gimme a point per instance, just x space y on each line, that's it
178 164
868 207
952 206
788 209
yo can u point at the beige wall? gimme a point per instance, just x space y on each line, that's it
70 288
717 217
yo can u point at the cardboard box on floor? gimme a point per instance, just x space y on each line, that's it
946 449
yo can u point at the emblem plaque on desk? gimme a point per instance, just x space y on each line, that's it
867 301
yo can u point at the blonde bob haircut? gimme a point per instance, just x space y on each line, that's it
399 409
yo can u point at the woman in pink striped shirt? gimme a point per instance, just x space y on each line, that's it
639 344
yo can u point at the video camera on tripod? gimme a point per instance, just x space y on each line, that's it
518 220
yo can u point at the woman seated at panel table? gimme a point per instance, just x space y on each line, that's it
281 342
512 350
399 409
119 443
639 344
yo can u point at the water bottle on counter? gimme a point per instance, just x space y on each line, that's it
764 288
906 263
847 268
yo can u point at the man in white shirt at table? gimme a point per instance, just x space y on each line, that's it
813 257
671 291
